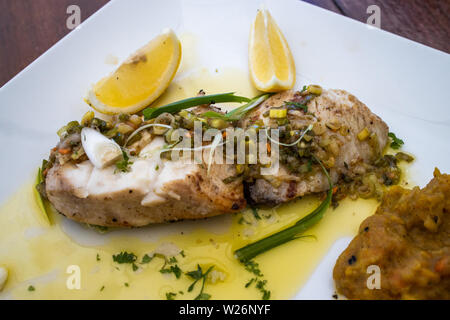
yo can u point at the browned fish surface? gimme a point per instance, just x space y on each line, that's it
150 193
337 118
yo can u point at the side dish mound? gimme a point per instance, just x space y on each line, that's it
408 239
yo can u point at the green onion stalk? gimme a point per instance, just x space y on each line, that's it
151 113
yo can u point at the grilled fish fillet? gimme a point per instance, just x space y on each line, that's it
347 116
154 191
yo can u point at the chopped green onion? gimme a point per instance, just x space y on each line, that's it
250 251
238 113
177 106
278 113
363 134
396 142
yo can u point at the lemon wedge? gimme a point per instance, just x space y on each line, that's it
141 79
272 67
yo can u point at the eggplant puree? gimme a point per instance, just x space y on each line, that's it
408 238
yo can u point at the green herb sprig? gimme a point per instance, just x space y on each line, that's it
238 113
124 257
198 275
124 164
169 266
170 295
396 142
151 113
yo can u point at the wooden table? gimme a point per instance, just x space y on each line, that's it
29 27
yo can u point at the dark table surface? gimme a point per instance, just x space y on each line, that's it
29 27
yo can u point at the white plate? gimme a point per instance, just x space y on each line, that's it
404 82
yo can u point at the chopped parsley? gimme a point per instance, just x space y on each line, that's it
168 266
249 283
124 257
102 288
31 288
253 267
172 269
135 267
198 275
173 260
123 165
260 284
255 213
98 257
146 259
126 284
396 142
171 295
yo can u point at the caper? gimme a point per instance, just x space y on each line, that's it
124 128
124 117
87 118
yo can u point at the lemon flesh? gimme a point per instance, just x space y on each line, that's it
272 67
141 79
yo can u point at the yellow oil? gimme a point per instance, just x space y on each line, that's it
39 254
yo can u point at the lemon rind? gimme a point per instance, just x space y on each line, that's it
167 78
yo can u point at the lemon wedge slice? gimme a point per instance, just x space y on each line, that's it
272 67
141 79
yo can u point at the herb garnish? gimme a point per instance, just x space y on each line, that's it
177 106
253 267
40 190
171 268
297 105
249 283
238 113
198 275
396 142
124 164
255 213
170 295
261 286
124 257
31 288
146 259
